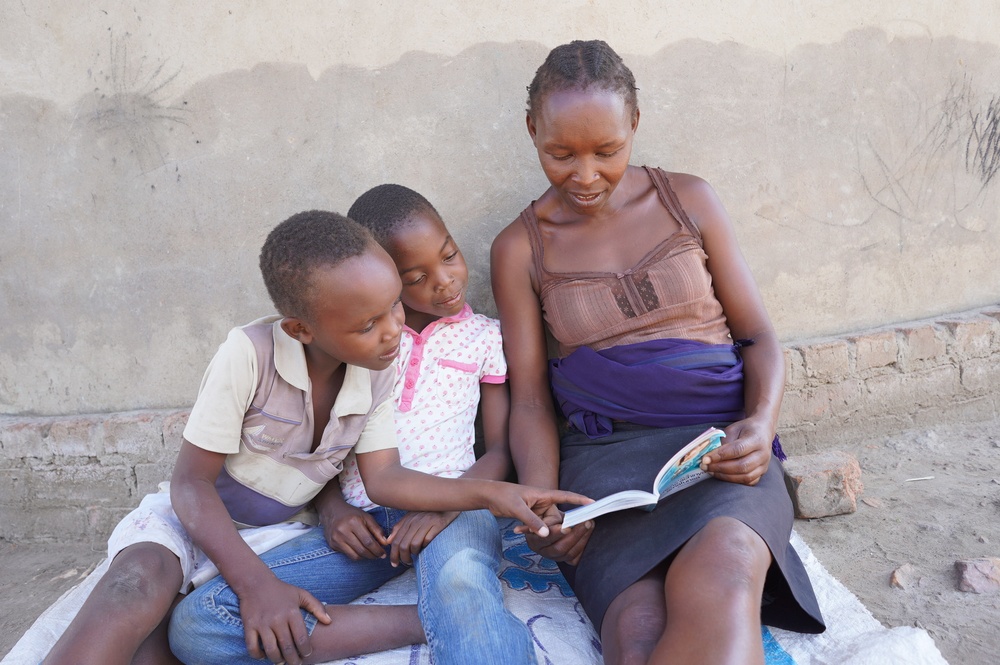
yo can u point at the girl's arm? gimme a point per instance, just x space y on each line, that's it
534 439
416 530
746 453
268 606
494 406
390 484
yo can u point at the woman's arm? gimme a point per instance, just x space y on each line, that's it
534 438
747 450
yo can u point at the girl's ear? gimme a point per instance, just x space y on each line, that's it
297 329
635 120
531 126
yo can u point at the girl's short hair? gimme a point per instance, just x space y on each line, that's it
384 209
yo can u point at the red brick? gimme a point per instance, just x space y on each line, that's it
923 342
974 337
879 349
795 369
827 361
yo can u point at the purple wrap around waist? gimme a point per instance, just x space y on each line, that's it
659 383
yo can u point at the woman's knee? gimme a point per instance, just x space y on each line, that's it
635 621
726 555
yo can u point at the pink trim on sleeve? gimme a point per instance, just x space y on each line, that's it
493 378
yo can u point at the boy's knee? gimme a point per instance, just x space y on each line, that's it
145 572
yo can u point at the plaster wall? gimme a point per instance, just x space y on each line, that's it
147 148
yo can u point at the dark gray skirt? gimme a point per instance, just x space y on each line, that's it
628 544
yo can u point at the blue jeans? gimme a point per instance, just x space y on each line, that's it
459 596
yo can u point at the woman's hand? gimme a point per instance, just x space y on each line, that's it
414 532
351 531
744 454
272 623
561 544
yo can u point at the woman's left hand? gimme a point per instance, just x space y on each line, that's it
744 455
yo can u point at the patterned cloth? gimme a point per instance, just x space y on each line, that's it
539 596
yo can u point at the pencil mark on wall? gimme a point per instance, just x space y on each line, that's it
982 150
131 101
933 165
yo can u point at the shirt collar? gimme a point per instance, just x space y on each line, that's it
461 316
355 395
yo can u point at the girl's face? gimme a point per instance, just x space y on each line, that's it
432 268
584 142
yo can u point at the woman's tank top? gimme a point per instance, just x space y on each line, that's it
668 293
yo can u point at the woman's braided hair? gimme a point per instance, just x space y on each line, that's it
579 65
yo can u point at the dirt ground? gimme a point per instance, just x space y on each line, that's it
929 524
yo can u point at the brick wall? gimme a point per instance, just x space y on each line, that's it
909 375
74 477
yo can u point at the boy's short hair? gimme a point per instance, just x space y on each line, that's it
385 208
298 246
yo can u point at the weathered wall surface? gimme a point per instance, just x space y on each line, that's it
147 148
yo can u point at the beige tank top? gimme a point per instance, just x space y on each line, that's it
668 293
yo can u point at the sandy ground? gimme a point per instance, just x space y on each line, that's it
928 524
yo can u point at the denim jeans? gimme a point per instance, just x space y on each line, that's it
459 597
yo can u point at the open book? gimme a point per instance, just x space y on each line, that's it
680 471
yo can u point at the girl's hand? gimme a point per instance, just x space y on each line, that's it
529 504
744 455
352 531
414 532
272 623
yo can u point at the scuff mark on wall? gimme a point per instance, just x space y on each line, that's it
982 150
131 102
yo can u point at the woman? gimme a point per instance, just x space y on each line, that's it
636 275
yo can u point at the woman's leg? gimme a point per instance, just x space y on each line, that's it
704 608
124 619
635 621
713 592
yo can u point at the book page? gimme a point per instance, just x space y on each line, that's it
610 503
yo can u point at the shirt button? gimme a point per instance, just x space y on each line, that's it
418 340
409 384
413 362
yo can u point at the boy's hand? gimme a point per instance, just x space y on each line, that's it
415 532
353 532
528 504
561 544
273 625
744 454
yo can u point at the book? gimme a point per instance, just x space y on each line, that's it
682 470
